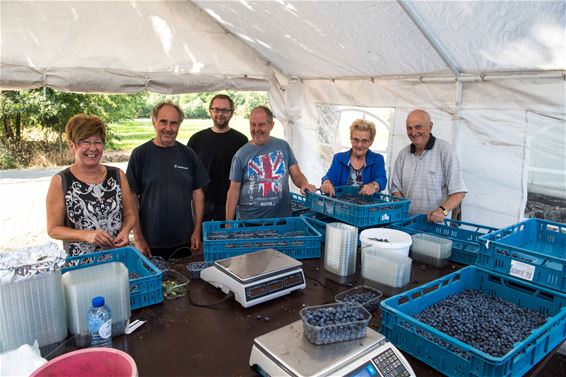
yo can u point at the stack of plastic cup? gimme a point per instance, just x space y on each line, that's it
340 247
32 309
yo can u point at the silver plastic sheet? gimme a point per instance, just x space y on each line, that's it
23 263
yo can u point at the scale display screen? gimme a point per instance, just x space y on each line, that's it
366 370
274 286
256 291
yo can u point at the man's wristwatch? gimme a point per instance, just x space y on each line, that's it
444 210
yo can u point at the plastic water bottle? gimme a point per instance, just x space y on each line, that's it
100 323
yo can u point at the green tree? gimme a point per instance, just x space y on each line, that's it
51 109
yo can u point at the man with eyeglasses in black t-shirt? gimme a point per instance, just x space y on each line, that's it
215 147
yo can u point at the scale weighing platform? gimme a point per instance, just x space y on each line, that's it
286 352
256 277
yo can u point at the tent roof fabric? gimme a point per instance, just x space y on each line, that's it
120 46
378 38
89 45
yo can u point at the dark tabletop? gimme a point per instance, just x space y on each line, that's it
180 339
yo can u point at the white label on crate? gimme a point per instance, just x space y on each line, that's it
105 330
385 217
522 270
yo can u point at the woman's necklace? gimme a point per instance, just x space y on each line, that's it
91 178
94 180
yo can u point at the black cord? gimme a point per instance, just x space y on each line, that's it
228 295
173 260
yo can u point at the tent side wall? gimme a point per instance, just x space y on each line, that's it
492 143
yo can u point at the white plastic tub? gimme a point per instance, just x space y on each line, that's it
388 240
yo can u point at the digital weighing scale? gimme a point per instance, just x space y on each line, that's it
256 277
286 352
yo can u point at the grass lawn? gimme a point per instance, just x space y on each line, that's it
136 132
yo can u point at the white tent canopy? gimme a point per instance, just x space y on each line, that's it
490 73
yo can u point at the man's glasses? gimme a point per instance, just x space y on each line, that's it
86 143
217 110
358 141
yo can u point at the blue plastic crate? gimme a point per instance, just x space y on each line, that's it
298 204
465 236
145 290
455 358
298 247
318 221
534 250
384 209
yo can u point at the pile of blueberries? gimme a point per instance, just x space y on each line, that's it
160 263
519 257
132 276
334 322
194 269
363 200
367 298
247 234
488 323
298 207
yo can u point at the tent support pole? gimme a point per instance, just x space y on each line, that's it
435 43
458 119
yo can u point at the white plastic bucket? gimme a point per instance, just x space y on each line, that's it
392 241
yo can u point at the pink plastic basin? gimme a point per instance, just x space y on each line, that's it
90 362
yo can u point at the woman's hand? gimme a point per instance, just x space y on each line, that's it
370 189
327 188
98 237
122 239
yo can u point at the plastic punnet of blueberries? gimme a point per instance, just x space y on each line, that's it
364 295
194 269
332 323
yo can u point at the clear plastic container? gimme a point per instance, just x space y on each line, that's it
109 280
194 269
382 267
364 295
337 331
31 309
174 285
431 250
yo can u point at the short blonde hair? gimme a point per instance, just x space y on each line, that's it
83 126
363 125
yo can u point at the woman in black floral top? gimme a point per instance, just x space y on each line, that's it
89 205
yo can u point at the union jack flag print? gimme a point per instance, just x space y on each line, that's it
266 171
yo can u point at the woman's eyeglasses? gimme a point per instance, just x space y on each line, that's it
87 143
360 141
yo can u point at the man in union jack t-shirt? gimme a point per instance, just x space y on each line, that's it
260 171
